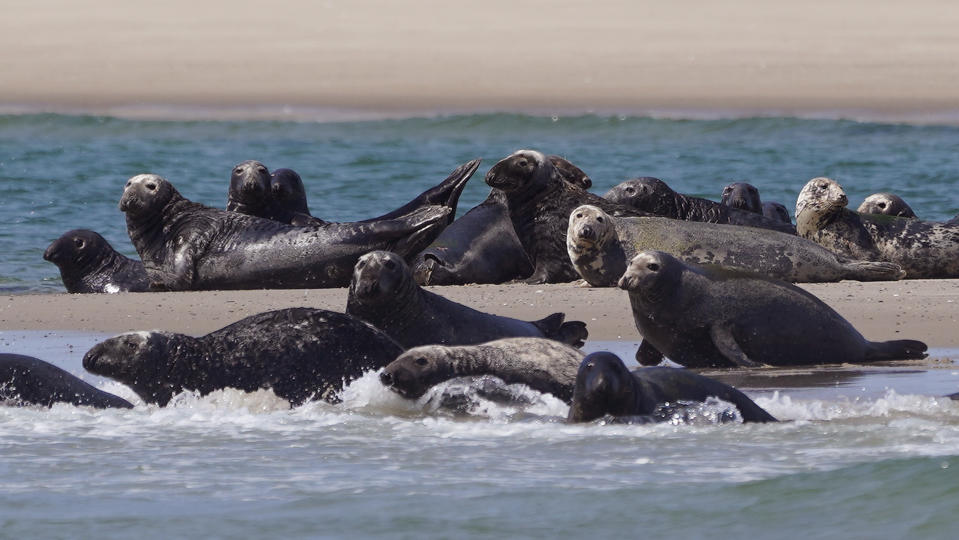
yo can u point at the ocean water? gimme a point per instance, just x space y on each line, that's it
862 452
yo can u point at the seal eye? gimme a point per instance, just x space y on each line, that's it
151 186
421 361
261 169
653 266
579 215
630 190
599 219
78 242
361 264
390 265
882 205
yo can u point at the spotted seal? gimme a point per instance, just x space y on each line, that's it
718 317
888 204
924 249
89 264
188 246
743 196
655 197
542 364
600 245
25 380
604 386
384 294
300 353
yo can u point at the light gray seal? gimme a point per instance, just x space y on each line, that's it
25 380
89 264
717 317
888 204
923 249
600 245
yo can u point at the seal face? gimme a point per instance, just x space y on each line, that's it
888 204
384 294
718 317
250 192
743 196
89 264
25 380
300 353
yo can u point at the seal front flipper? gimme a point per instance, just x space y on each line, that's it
725 343
873 270
572 333
647 355
900 349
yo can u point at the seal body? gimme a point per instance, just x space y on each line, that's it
544 365
189 246
888 204
384 294
599 246
539 203
604 386
89 264
25 380
743 196
923 249
299 353
717 317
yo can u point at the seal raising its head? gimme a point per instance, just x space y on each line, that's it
89 264
743 196
888 204
25 380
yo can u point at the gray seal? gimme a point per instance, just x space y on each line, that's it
888 204
653 196
600 245
25 380
923 249
300 353
742 196
777 212
717 317
89 264
188 246
384 294
544 365
604 386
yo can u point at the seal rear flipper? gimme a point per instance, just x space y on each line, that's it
571 333
873 271
899 349
424 231
446 193
725 343
647 355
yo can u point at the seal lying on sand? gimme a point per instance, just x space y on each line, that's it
25 380
924 249
743 196
599 246
542 364
89 264
604 386
188 246
384 294
653 196
888 204
717 317
300 353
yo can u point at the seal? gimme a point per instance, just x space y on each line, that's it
888 204
600 245
604 386
542 364
923 249
25 380
188 246
653 196
718 317
539 203
89 264
289 195
777 212
384 294
300 353
743 196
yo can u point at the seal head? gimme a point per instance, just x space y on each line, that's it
743 196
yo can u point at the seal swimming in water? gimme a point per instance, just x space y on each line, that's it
923 249
188 246
542 364
888 204
89 264
384 294
652 195
299 353
743 196
600 245
539 203
25 380
718 317
604 386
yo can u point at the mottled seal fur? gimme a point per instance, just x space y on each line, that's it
888 204
89 264
384 294
539 202
544 365
923 249
600 245
653 196
25 380
604 386
717 317
743 196
188 246
299 353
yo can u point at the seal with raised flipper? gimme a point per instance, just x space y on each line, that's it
604 386
888 204
742 195
300 353
600 245
719 317
89 264
25 380
188 246
384 294
923 249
